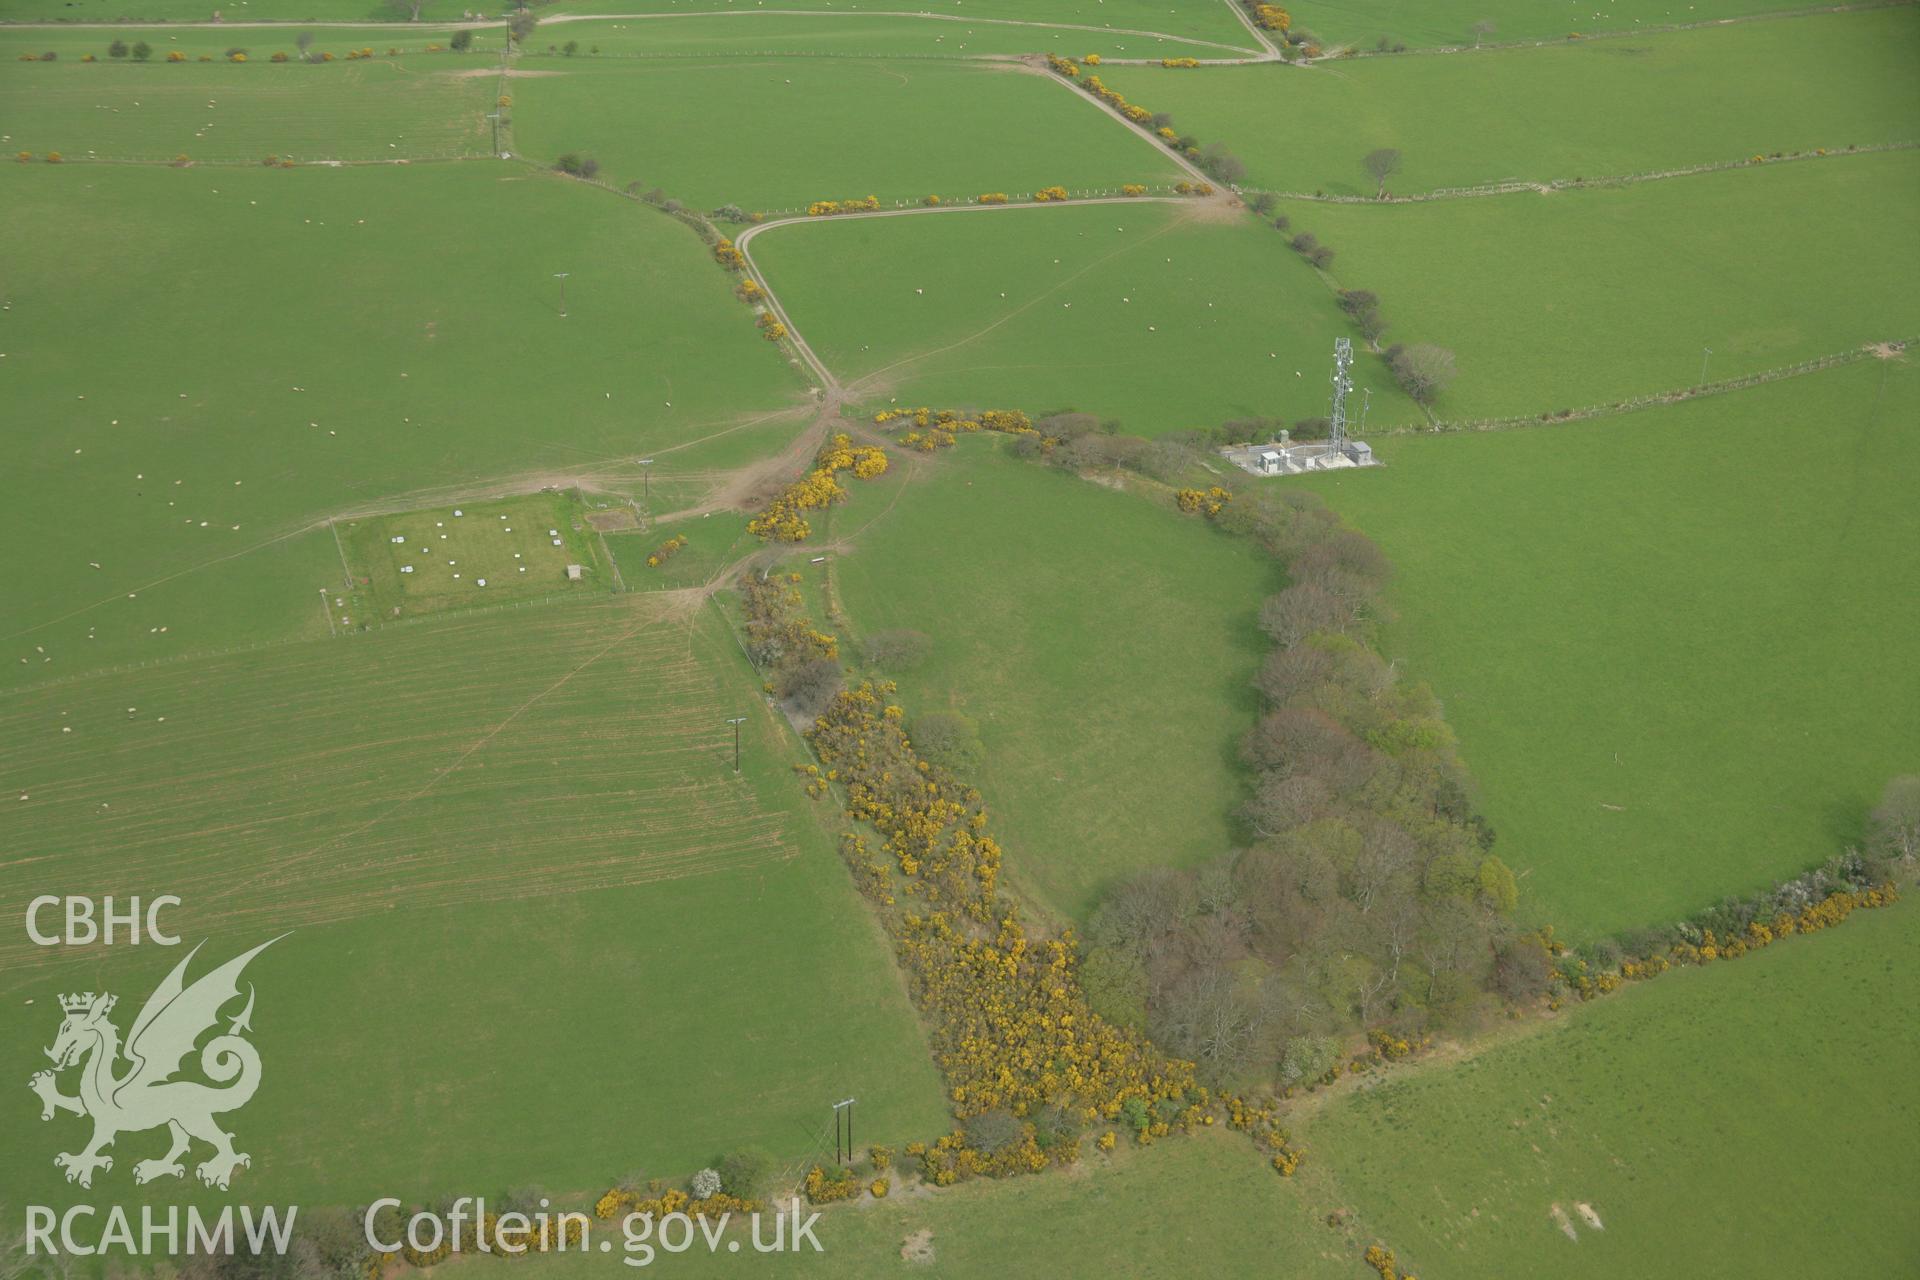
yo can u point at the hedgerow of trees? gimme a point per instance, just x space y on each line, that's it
1367 893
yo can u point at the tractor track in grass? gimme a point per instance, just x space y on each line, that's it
833 386
557 19
811 358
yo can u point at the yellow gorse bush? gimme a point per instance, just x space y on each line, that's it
824 1188
659 1200
827 208
1010 1026
557 1232
783 521
1270 16
666 550
1208 502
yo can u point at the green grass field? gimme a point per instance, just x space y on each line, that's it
1361 23
232 12
1737 1120
842 32
1105 647
1200 19
1166 316
1764 266
779 133
356 111
372 339
1022 26
543 934
1667 640
713 543
387 40
1592 108
1205 1202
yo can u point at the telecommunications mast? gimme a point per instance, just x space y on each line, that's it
1342 384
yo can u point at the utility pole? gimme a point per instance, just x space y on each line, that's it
648 481
1706 354
847 1108
561 276
736 722
495 117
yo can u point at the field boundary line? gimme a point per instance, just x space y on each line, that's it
1561 42
256 162
831 383
280 868
559 18
1884 349
1609 181
162 581
281 642
346 570
1193 171
662 55
1271 51
893 13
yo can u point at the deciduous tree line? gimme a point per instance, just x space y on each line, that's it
1366 893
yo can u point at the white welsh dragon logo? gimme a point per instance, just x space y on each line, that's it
146 1095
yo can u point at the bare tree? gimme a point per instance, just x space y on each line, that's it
1482 29
809 687
1451 931
1211 1018
1382 164
899 650
1301 610
1422 370
1346 549
18 1263
411 8
1893 828
1283 803
1293 672
1152 903
1387 855
1295 740
1521 968
1221 164
1213 886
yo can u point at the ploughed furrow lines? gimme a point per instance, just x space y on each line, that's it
521 755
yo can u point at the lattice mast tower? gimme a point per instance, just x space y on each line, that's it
1342 384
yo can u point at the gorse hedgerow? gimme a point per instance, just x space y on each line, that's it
782 521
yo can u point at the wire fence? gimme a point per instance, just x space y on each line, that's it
1873 350
258 160
1610 180
1580 37
944 200
345 633
653 55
